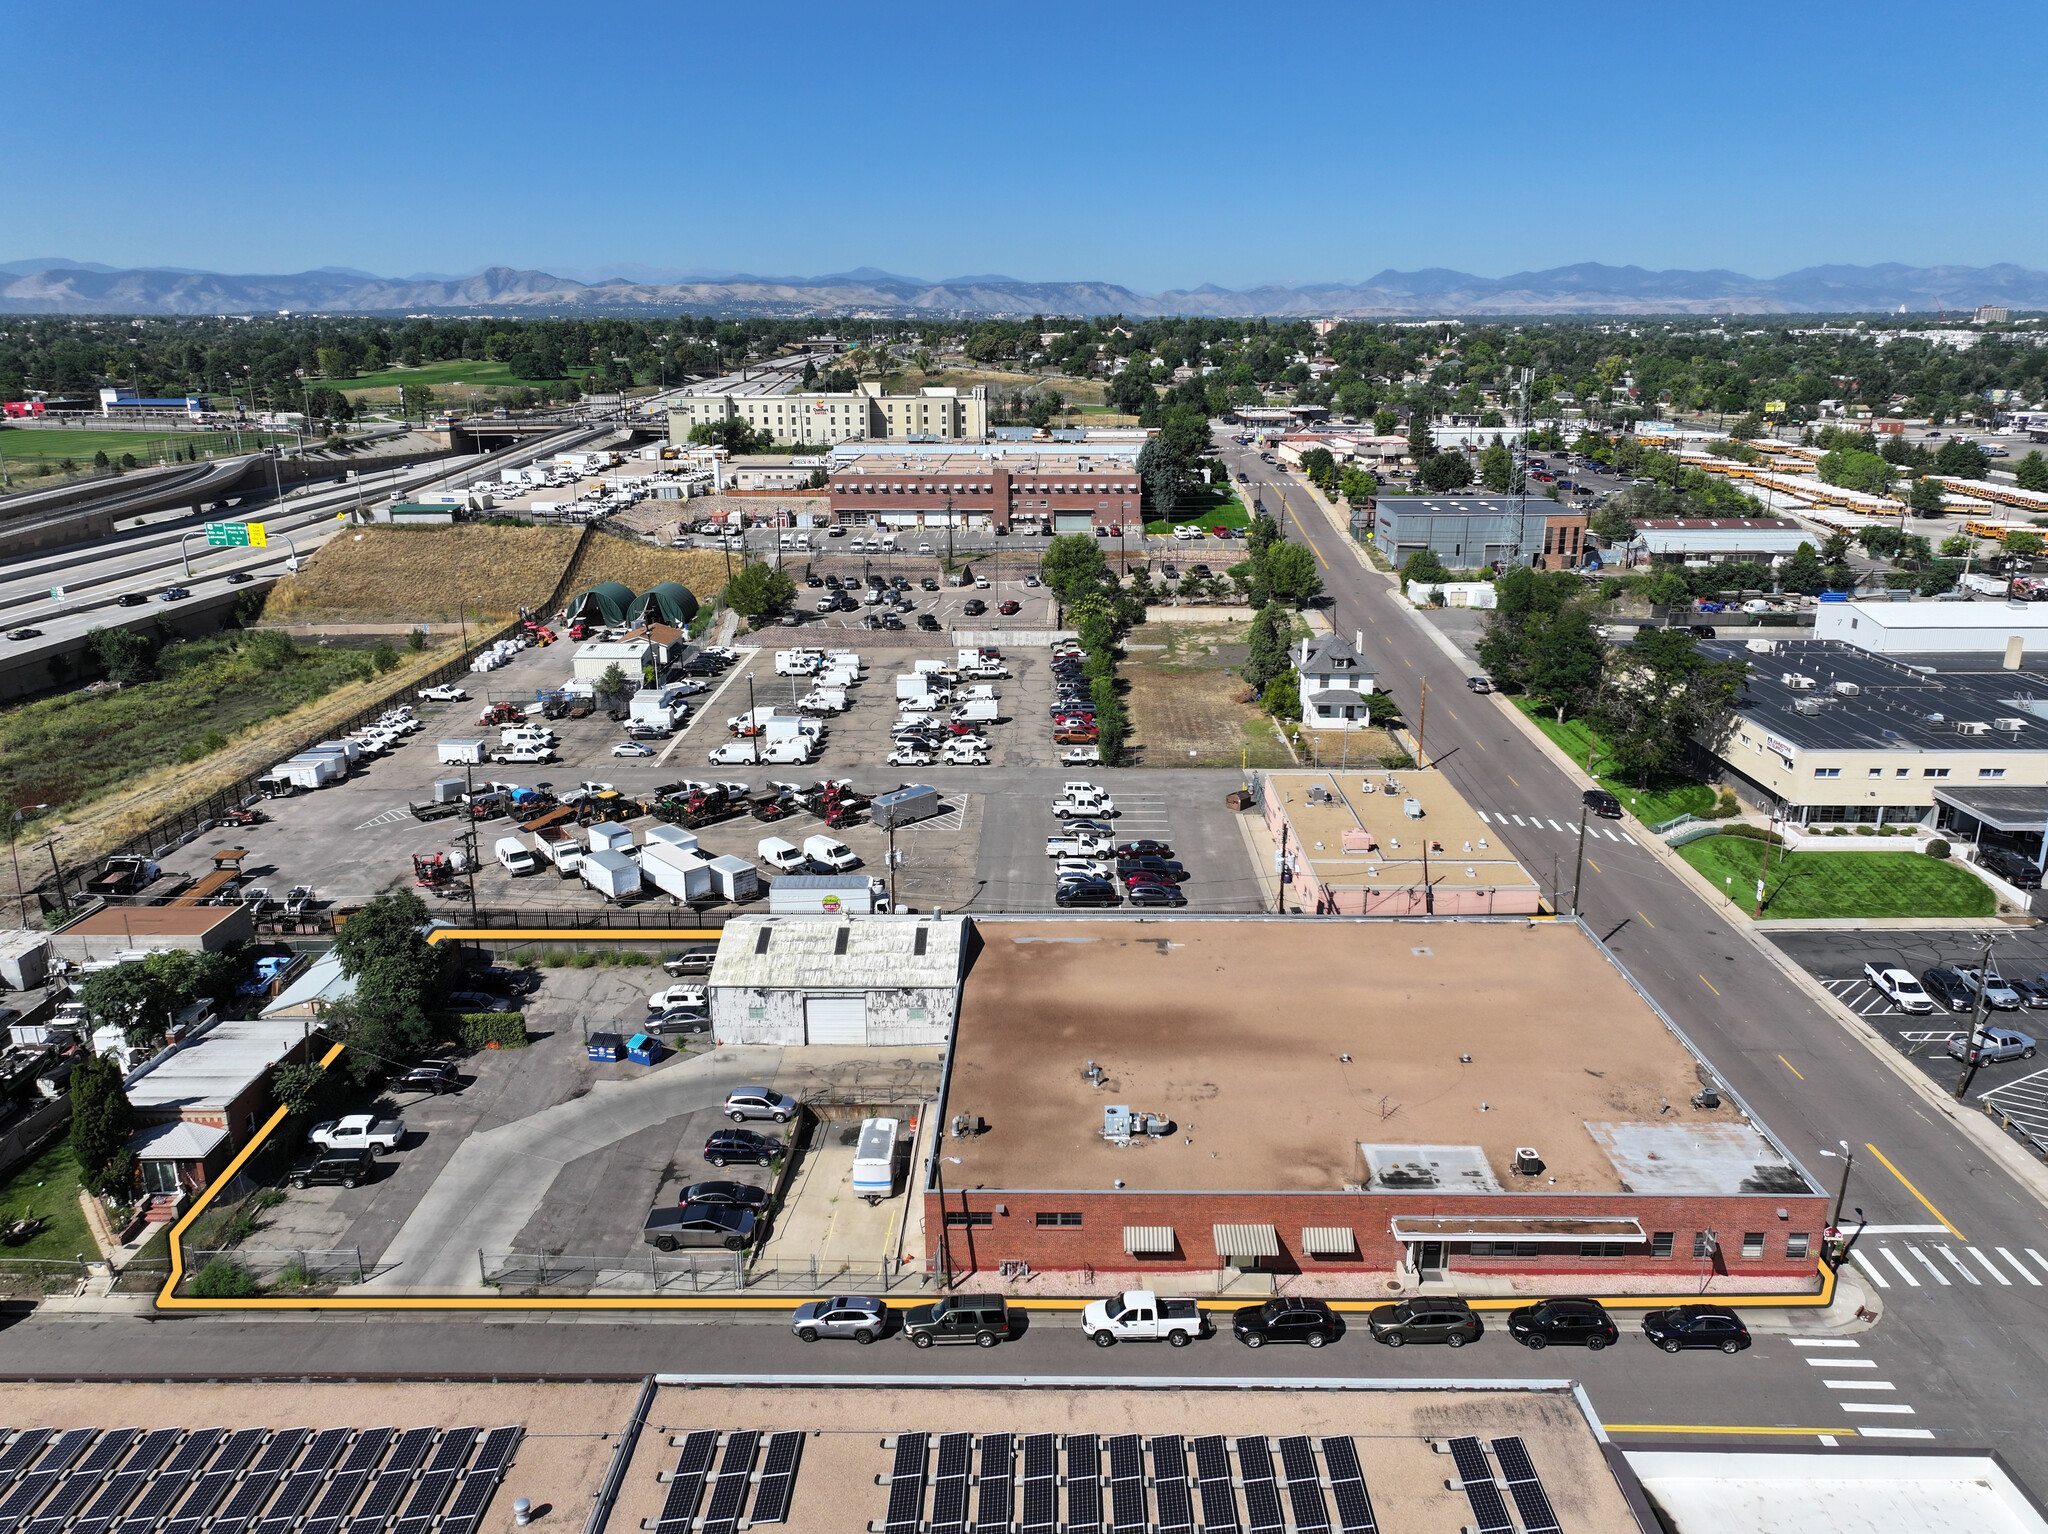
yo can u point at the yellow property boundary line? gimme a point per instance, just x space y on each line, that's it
168 1297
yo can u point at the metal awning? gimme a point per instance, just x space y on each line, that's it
2018 811
1148 1240
1517 1227
1246 1240
1328 1240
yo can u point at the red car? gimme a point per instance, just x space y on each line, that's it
1220 532
1008 609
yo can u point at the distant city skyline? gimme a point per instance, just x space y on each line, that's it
1157 147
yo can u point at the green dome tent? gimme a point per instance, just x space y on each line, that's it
668 603
606 603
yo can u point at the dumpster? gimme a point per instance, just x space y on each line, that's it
604 1046
645 1049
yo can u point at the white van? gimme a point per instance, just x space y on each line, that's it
783 856
515 857
874 1161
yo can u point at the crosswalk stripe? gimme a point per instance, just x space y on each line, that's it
1824 1342
1486 817
1876 1406
1517 819
1892 1257
2019 1267
1560 830
1895 1432
1990 1267
1927 1262
1864 1263
1841 1363
1630 840
1609 835
1859 1384
1957 1263
2038 1258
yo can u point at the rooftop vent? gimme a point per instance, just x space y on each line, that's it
1935 718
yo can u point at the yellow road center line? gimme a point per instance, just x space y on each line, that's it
1709 984
1791 1067
1645 921
1914 1191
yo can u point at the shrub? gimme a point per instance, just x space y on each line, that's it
480 1030
1866 830
222 1279
1839 831
583 961
1937 848
1754 834
1726 807
1398 761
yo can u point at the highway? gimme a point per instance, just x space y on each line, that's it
1974 1345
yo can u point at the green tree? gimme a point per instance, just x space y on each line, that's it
1855 470
135 1000
1926 499
1266 648
101 1123
614 684
1803 572
384 658
731 433
1661 697
385 951
1424 565
1421 445
1613 525
1497 469
300 1087
757 590
127 655
1282 696
2032 471
1957 546
1446 471
1358 485
1073 565
416 641
1561 659
1290 573
1964 460
2023 545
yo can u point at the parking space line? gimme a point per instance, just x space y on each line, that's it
1895 1432
1824 1342
1840 1363
1859 1384
1873 1406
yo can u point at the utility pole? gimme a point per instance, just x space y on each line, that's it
1579 867
50 847
469 836
1973 1052
892 866
1422 726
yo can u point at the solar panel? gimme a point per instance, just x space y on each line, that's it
211 1488
1261 1491
171 1482
1531 1501
393 1480
36 1485
686 1484
906 1485
16 1456
481 1483
262 1480
1304 1486
305 1481
1127 1484
496 1453
735 1475
1041 1484
368 1448
120 1491
1347 1485
1489 1512
84 1481
949 1487
998 1484
778 1480
1084 1484
1170 1485
1212 1483
436 1481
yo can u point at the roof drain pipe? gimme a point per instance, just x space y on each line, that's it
622 1455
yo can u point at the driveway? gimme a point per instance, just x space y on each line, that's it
496 1180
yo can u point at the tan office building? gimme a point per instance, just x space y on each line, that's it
948 414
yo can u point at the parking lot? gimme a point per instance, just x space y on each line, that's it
543 1150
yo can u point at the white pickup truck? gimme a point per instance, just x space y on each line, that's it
358 1130
1139 1315
1077 846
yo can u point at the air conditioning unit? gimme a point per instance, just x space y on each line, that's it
1799 680
2009 724
1847 689
1806 706
1972 727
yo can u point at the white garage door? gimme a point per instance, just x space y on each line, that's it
835 1019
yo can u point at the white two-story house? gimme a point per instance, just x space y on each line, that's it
1334 684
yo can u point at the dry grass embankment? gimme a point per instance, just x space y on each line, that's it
641 565
425 574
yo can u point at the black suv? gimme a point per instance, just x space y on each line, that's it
436 1076
1696 1326
1309 1321
741 1145
927 622
1083 891
346 1167
1582 1323
1449 1321
1150 863
982 1319
1948 990
1602 803
2011 867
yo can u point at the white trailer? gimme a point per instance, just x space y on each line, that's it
612 874
827 895
733 878
682 872
311 771
461 751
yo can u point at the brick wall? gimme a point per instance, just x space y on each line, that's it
1098 1241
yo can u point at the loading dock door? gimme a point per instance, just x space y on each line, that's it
835 1019
1072 521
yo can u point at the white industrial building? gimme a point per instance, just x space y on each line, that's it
863 980
1928 628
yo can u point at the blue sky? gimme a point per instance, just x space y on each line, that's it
1155 145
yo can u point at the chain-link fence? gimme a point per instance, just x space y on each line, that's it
712 1272
284 1267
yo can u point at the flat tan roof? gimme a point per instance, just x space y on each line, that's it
1238 1030
1360 837
152 921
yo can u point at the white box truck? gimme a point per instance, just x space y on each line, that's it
673 836
828 895
797 662
682 872
830 852
515 857
460 751
914 685
824 700
874 1161
734 878
652 705
612 874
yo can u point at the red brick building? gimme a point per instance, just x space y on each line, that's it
1457 1102
1040 492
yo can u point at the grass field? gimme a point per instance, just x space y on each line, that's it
1664 799
1838 884
47 1185
435 375
641 565
67 749
1183 701
26 447
1218 508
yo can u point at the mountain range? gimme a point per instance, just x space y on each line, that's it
54 285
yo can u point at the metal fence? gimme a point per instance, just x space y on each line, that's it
302 1267
655 1272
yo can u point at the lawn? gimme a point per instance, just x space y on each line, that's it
48 1186
1665 799
1209 508
435 375
1839 884
24 447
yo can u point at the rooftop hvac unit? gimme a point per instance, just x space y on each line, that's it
1936 718
1972 727
1806 706
2009 724
1847 689
1799 680
1527 1162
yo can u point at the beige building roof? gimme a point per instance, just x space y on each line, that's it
1362 834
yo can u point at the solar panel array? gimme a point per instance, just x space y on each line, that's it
906 1485
735 1477
777 1484
1212 1484
1261 1495
1489 1511
1041 1483
250 1481
1170 1485
1531 1501
1347 1486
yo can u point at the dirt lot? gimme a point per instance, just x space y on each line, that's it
1183 700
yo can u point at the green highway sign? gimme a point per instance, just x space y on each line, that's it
237 535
